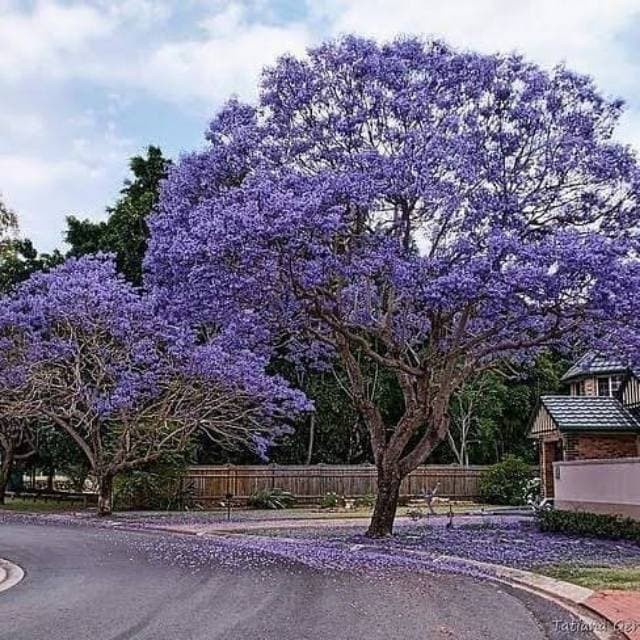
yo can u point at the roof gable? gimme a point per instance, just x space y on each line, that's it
589 413
592 363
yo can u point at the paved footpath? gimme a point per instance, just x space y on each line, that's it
622 606
83 582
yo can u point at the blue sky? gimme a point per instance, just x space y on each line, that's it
85 85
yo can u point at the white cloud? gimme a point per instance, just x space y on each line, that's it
23 124
543 27
72 71
226 59
584 33
23 172
36 189
44 39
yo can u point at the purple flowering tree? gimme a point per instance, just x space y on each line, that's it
82 350
410 209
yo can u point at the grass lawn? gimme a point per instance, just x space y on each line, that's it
40 506
627 578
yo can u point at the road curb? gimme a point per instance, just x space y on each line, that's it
572 597
575 595
10 575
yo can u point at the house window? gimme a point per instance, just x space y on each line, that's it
610 385
578 388
616 383
604 387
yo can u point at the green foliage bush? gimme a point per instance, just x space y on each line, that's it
156 487
332 500
507 482
589 524
275 498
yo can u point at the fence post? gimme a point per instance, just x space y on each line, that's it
228 478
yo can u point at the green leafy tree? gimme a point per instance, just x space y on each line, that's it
8 224
21 260
125 231
56 453
491 414
8 229
333 434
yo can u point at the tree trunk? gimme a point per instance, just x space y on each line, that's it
384 512
312 433
105 491
5 472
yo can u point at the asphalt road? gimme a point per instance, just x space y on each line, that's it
85 584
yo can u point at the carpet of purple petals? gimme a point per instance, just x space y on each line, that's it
500 540
516 544
510 542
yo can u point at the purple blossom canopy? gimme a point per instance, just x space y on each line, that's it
423 204
80 339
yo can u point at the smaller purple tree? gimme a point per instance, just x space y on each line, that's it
91 358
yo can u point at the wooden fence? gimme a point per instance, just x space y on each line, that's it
209 484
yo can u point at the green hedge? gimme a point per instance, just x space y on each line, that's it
589 524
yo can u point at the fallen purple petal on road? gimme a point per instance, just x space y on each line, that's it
496 540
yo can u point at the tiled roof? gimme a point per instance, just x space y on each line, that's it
592 363
589 413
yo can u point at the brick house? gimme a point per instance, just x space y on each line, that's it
599 419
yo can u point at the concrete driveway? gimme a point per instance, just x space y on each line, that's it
88 584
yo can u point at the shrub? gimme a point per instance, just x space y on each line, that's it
365 502
589 524
158 486
275 498
506 482
332 500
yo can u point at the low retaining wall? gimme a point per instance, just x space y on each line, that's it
209 484
599 486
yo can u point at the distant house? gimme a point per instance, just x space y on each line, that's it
600 419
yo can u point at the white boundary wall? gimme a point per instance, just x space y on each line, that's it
599 486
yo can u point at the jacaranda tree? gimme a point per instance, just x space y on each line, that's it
407 208
83 351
